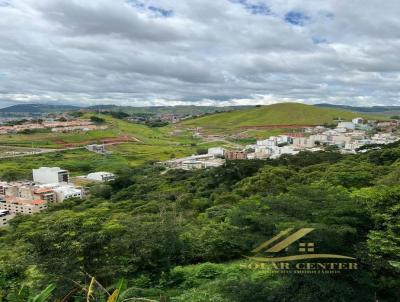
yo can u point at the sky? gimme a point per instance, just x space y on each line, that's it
199 52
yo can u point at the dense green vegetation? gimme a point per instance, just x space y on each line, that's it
181 235
278 114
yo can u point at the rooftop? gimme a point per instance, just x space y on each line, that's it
23 201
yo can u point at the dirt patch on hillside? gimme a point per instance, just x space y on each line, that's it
288 126
104 140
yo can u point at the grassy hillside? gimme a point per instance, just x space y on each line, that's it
151 144
116 128
277 114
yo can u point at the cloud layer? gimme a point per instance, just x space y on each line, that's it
219 52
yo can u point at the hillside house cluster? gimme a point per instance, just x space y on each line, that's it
348 137
148 118
49 185
54 126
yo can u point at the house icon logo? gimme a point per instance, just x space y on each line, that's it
276 247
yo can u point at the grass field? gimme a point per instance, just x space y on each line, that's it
277 114
116 128
81 161
153 144
76 161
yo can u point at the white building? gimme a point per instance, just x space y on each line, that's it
340 139
101 176
352 146
65 192
260 152
191 164
217 151
194 162
96 148
347 125
358 120
283 150
50 175
283 139
270 142
321 138
303 142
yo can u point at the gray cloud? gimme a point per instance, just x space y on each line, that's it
218 52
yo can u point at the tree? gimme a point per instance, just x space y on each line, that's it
97 120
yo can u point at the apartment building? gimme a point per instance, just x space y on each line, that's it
303 142
21 205
66 192
45 194
50 175
217 151
5 216
235 155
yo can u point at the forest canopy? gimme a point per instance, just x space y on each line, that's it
181 235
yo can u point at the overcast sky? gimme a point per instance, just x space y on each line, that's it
206 52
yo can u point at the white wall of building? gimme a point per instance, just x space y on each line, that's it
66 192
358 120
50 175
346 125
101 176
217 151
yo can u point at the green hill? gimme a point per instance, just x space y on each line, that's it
277 114
37 108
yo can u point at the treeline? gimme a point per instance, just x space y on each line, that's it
181 235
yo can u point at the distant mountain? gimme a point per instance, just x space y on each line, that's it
384 110
278 114
179 110
37 108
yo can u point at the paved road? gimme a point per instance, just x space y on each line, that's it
235 145
30 152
